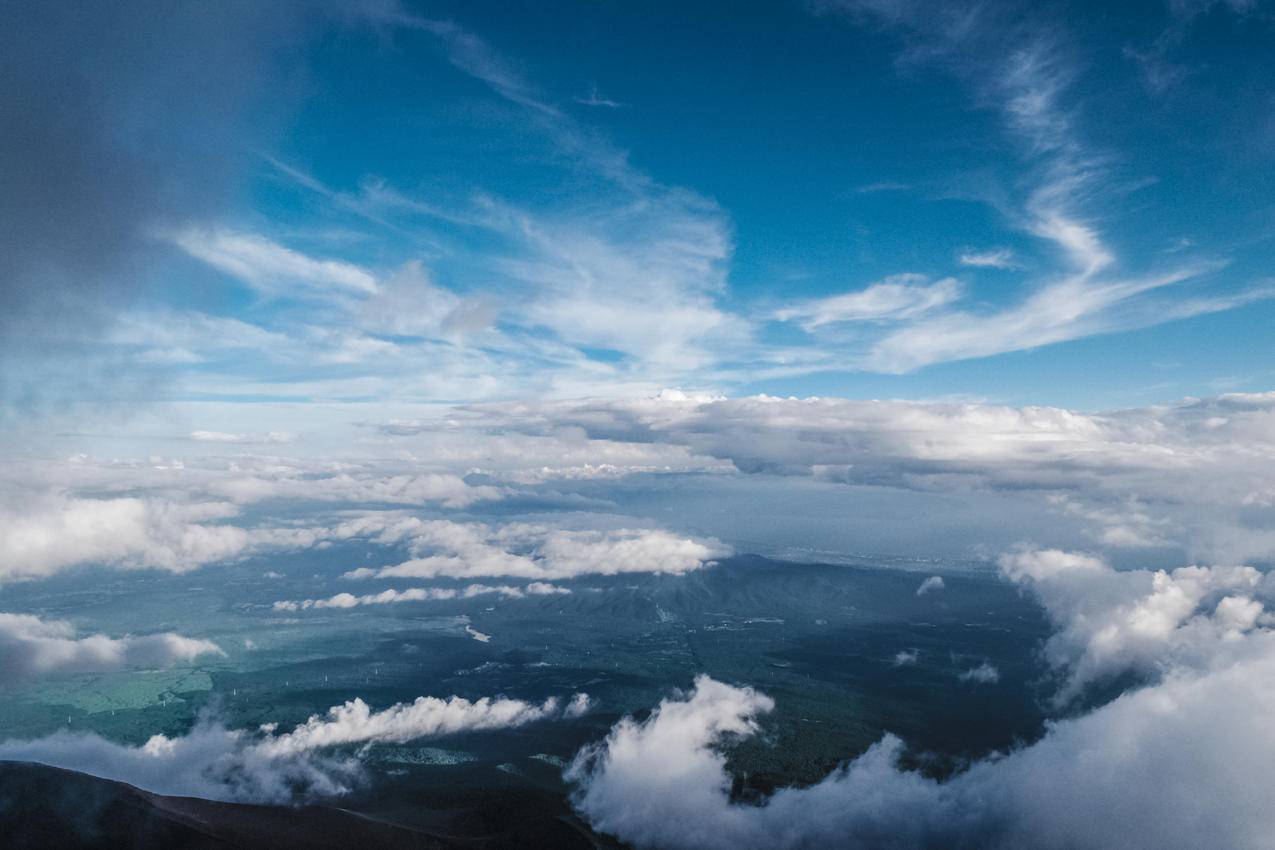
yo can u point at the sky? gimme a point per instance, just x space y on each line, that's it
510 294
804 278
393 205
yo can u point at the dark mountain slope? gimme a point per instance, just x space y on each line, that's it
47 807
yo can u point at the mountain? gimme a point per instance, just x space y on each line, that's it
45 807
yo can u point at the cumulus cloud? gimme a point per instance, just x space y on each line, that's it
1176 761
932 583
1146 622
355 722
421 594
537 551
31 646
217 763
385 597
49 535
983 674
1178 765
1040 564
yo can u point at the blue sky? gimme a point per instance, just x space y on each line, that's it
567 249
427 203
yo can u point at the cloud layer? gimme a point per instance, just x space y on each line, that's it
1195 474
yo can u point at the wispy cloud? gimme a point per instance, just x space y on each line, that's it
270 267
241 439
898 297
1025 70
996 258
594 98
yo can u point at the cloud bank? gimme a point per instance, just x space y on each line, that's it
444 548
31 646
217 763
1178 765
1195 474
1179 762
1110 622
421 594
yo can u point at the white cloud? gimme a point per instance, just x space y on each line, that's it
1041 564
421 594
1194 474
447 489
210 761
52 534
470 54
270 267
1178 761
31 646
1027 72
905 657
217 763
355 722
983 674
408 303
536 551
240 439
543 588
179 516
640 279
930 584
385 597
899 297
996 258
665 768
1111 622
1071 308
1125 527
1179 765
